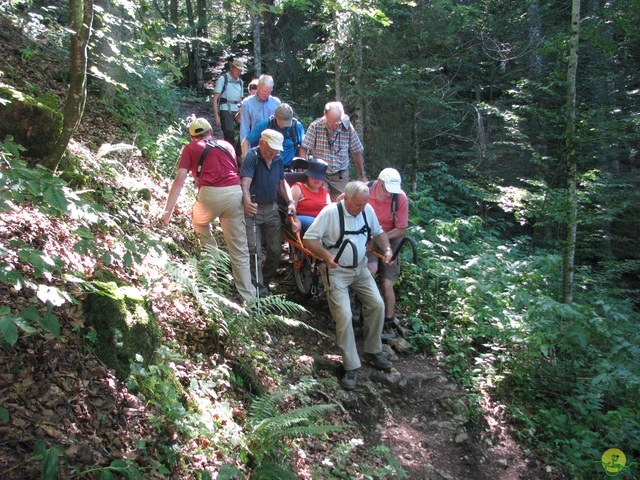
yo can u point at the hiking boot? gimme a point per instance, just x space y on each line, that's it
348 382
378 360
388 332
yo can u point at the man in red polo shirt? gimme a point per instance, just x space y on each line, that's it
219 196
394 220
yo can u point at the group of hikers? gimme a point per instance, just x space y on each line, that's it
326 208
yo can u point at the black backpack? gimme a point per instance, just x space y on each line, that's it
211 143
293 129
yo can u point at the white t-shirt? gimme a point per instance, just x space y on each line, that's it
326 229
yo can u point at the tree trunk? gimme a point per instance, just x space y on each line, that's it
227 6
336 55
269 43
173 17
191 68
570 247
536 66
257 44
201 32
415 133
359 107
81 20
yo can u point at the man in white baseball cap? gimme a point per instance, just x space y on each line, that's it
262 178
391 206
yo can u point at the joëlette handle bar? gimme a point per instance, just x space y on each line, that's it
405 240
354 250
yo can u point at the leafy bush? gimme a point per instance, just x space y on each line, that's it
147 105
488 308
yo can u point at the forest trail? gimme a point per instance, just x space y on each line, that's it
423 417
416 411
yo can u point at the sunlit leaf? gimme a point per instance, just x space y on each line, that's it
56 198
52 295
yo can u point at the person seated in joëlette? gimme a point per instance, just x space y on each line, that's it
310 196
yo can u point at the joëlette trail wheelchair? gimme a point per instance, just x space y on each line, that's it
304 264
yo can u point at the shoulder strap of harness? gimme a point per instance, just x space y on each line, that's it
224 86
365 230
211 143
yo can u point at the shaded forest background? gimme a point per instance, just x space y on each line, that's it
468 101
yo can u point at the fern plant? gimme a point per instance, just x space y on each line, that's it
209 281
269 428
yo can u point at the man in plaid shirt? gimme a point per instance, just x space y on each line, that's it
331 138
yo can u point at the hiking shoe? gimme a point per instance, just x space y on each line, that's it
378 360
388 332
348 382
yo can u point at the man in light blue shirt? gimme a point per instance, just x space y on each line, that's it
258 107
281 121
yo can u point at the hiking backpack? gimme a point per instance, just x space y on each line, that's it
293 129
211 143
224 86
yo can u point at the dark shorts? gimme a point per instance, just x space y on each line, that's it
385 270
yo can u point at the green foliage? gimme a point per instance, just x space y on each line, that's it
40 188
169 146
269 426
487 307
192 406
10 323
125 328
49 458
208 280
340 463
155 105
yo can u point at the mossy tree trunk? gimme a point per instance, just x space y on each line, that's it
81 20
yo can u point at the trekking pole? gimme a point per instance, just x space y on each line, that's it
255 251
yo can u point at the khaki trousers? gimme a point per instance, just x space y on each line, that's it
336 183
225 203
362 283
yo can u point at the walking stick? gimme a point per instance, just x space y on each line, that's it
255 250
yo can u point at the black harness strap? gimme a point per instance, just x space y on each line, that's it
365 230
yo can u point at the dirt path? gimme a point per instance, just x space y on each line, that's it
423 417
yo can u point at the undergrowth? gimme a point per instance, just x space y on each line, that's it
489 308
